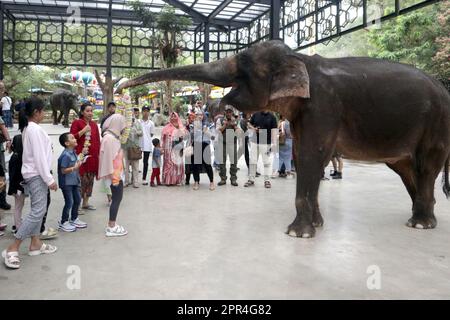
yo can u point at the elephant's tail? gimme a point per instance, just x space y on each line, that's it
445 180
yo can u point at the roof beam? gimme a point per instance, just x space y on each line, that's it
198 17
61 11
218 9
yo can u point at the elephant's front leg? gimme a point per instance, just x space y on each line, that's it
313 152
60 117
55 116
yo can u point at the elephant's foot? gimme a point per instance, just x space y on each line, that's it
317 220
422 222
301 230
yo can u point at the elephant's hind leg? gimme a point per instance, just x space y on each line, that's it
428 168
405 169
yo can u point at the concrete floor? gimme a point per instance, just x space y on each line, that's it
230 244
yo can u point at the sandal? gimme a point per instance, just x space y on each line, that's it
45 249
267 184
249 183
12 260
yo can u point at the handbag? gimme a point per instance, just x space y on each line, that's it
188 151
134 153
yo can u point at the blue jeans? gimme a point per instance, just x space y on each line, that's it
7 117
72 199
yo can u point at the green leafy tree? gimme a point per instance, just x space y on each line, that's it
138 92
168 33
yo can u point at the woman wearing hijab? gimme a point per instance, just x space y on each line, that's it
172 137
111 169
88 142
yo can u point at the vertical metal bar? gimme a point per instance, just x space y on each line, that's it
365 13
206 44
275 19
131 45
38 42
316 21
397 7
195 46
62 43
109 42
85 43
258 30
13 55
1 40
298 24
153 49
218 45
338 17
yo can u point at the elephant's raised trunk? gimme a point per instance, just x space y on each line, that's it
220 73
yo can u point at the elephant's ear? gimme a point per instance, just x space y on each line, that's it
291 80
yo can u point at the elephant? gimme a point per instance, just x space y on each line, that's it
365 108
63 100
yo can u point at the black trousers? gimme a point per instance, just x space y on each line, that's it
246 152
44 219
146 157
117 194
207 164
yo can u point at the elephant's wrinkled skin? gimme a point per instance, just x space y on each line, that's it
63 100
367 109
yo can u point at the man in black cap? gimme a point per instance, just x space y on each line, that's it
227 127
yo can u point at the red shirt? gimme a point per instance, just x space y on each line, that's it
91 164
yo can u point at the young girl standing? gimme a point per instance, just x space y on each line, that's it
111 169
36 164
15 180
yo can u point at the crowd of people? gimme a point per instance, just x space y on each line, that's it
104 152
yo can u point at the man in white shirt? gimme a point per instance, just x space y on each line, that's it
6 103
148 130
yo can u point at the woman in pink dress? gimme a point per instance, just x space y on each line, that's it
172 144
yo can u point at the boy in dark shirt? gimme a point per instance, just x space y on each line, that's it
69 182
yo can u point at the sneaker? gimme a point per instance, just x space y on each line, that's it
234 183
49 233
116 231
222 182
67 227
258 174
152 184
77 223
145 183
338 175
3 226
2 233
